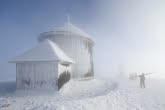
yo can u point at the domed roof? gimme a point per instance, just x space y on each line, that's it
69 27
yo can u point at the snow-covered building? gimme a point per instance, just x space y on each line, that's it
41 66
60 55
77 45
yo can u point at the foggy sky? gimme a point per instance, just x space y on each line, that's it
126 32
134 36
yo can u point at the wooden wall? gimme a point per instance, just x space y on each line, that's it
36 75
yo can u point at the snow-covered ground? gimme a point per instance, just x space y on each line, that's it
95 94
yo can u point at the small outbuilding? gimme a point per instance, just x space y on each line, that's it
43 67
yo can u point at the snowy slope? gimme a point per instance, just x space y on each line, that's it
87 88
93 95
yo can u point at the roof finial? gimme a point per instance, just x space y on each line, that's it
68 19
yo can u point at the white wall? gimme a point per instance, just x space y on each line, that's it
40 74
76 47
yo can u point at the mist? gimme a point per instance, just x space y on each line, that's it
128 33
129 39
131 34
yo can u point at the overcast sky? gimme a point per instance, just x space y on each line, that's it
130 33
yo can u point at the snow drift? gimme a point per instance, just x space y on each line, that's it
93 95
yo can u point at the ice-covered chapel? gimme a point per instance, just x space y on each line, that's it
60 55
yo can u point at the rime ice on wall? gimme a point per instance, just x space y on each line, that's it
77 45
35 75
40 67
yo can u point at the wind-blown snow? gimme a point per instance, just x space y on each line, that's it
93 95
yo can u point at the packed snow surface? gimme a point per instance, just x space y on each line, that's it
91 94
